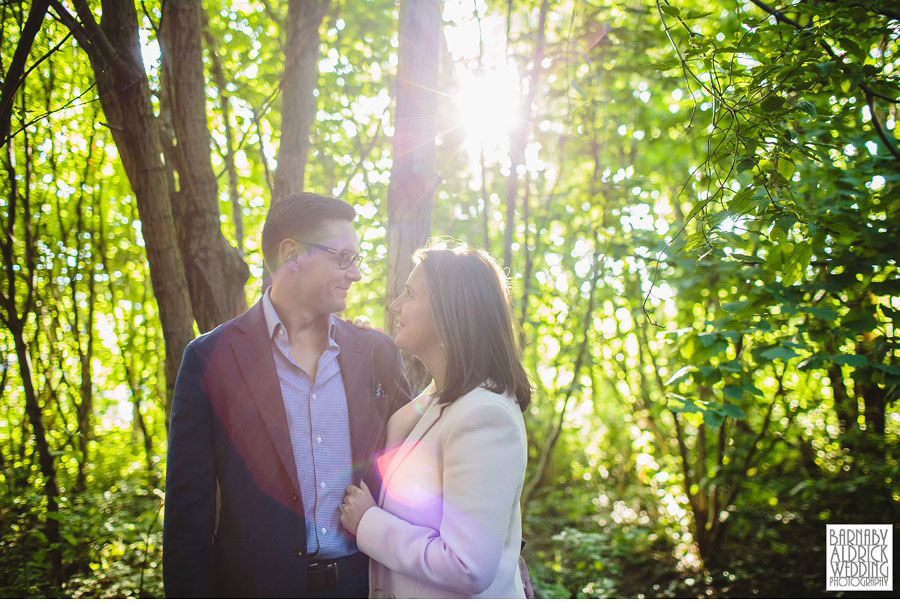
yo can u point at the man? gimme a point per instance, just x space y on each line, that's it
275 412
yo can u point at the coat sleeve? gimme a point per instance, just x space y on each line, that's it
483 470
190 505
399 390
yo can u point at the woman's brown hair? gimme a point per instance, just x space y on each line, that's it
471 306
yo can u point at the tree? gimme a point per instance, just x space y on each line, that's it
413 175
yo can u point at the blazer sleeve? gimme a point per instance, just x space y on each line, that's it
399 391
483 470
190 506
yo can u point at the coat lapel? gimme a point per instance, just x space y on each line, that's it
424 425
367 424
253 353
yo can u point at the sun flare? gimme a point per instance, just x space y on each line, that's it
488 106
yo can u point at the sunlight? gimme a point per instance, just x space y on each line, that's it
488 106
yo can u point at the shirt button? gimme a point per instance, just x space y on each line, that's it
319 439
313 396
297 553
324 531
323 485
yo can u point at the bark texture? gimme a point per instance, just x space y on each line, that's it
414 174
215 270
115 53
298 104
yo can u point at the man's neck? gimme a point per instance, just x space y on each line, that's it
304 327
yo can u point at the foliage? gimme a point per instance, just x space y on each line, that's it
703 260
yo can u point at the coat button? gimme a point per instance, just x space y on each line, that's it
297 553
295 498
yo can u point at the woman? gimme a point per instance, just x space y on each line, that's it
448 522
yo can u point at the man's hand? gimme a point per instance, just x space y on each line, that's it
361 322
356 502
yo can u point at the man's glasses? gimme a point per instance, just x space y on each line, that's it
345 258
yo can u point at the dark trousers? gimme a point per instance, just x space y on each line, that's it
354 586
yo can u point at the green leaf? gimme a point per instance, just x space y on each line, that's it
747 163
732 366
747 258
853 48
742 202
860 322
891 369
735 392
735 306
891 287
672 11
579 89
889 312
707 339
808 108
823 313
712 417
850 359
680 376
779 353
772 103
825 68
752 389
797 263
664 64
735 412
786 168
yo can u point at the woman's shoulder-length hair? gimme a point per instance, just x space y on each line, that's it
471 306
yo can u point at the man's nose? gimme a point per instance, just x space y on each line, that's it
353 272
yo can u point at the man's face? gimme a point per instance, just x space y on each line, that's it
314 278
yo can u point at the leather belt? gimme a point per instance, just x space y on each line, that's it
327 573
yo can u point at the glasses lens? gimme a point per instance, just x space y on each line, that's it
347 259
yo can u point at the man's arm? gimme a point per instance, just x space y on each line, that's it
399 391
190 515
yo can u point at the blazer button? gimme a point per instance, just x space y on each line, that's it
297 553
295 498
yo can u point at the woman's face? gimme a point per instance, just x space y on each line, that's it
416 330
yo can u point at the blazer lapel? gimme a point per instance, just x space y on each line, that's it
426 422
367 424
253 353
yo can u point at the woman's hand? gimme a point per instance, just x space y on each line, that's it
356 502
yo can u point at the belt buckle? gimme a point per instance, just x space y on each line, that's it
330 571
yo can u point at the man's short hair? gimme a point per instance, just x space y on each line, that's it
299 216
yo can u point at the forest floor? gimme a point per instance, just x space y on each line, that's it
783 557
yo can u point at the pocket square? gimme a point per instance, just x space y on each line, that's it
379 391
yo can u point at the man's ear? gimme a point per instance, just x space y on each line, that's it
288 250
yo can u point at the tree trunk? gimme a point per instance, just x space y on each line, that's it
298 104
16 69
519 137
414 175
215 271
115 54
14 318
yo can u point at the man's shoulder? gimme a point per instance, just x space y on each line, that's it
367 338
212 340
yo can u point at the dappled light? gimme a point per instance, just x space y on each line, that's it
697 205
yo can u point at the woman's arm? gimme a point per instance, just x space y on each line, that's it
483 469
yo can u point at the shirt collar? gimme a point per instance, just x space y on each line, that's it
273 321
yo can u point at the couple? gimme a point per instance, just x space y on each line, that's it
298 465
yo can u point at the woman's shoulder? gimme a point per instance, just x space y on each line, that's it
482 398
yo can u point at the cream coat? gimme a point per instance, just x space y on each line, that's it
448 522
